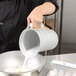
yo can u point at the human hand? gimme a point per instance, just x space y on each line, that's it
35 17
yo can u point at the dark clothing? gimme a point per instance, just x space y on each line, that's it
13 20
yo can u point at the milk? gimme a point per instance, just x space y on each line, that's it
30 53
18 69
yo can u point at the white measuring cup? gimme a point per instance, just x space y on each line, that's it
37 39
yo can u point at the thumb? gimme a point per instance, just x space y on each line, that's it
28 23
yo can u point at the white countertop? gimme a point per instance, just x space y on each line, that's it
71 58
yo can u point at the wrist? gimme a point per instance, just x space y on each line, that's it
46 8
40 9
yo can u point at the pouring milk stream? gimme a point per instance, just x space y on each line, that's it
32 41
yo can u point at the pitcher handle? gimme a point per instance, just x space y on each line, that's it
42 25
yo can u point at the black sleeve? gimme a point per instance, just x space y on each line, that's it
39 2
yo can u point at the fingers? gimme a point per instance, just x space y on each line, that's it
35 23
28 22
35 19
